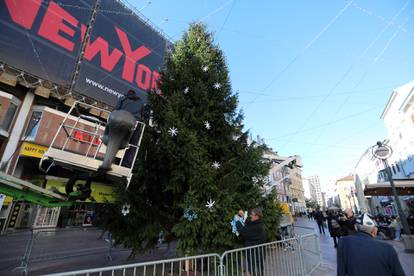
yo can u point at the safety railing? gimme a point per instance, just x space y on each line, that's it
51 244
208 265
296 256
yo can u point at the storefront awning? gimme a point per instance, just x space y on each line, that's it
403 186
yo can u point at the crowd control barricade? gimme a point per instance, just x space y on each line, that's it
202 265
300 255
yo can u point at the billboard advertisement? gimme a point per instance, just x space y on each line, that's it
44 38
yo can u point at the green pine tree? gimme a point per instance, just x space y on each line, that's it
174 175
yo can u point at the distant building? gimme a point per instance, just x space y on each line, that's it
285 177
315 190
345 189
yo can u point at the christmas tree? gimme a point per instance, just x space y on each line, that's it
196 167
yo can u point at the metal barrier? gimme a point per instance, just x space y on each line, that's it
197 265
52 244
296 256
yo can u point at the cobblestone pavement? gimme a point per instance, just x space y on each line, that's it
328 267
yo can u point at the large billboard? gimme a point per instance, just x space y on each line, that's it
44 38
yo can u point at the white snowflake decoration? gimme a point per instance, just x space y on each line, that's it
125 209
205 68
217 85
207 125
236 137
172 131
210 204
255 179
216 165
186 90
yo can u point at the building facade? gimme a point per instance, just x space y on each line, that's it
345 189
315 190
398 117
285 177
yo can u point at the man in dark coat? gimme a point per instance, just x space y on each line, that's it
254 233
361 254
134 106
320 218
132 103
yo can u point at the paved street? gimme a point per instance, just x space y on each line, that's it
75 249
67 250
328 267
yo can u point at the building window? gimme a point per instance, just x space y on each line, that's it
33 125
9 117
398 167
393 170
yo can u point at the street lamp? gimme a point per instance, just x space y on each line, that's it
382 152
353 199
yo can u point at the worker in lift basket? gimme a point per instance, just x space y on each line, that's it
120 128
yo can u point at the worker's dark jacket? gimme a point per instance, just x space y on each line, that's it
362 255
131 103
253 233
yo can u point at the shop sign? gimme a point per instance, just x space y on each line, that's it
33 150
100 193
85 137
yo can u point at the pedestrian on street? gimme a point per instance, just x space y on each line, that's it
320 220
334 227
396 226
253 233
347 222
361 254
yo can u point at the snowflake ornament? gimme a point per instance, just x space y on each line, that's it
235 137
205 68
217 85
216 165
186 90
207 125
190 215
255 179
125 209
172 131
210 204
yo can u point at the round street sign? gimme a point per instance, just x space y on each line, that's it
382 152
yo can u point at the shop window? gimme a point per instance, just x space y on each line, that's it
33 125
9 117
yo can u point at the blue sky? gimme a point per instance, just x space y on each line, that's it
313 76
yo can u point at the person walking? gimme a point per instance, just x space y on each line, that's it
253 233
334 227
320 220
396 226
347 222
361 254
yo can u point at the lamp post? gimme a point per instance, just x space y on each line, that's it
382 152
353 200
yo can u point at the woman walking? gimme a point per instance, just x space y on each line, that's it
334 227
